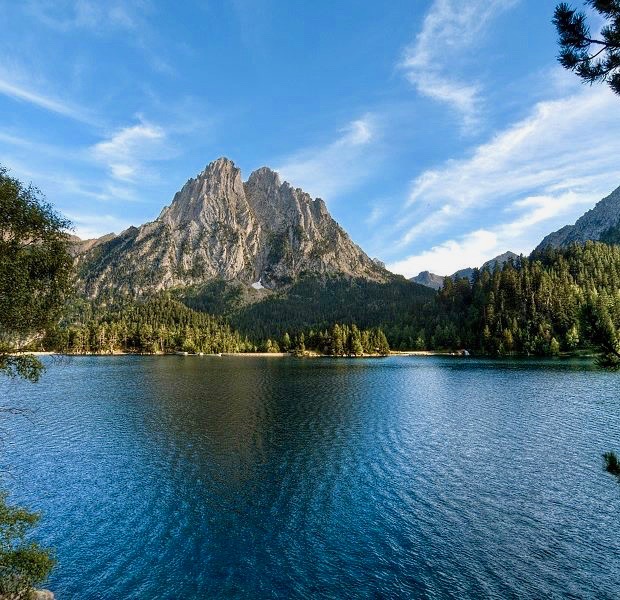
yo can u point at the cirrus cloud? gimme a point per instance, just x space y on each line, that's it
565 146
337 167
450 28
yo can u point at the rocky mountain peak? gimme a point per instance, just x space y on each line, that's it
216 193
428 279
217 226
435 282
220 174
264 178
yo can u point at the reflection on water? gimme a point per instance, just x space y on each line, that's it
203 477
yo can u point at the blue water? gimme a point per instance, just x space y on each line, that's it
204 477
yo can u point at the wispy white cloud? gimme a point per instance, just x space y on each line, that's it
61 183
377 212
450 28
126 151
521 235
25 93
340 165
65 15
451 255
566 146
536 210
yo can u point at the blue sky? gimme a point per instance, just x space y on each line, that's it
440 133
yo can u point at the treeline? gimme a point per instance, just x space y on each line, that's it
156 326
554 301
338 340
162 325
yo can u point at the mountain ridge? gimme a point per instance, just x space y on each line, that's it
220 227
591 226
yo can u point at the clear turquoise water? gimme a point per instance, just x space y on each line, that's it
200 477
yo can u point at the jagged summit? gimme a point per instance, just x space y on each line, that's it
218 226
265 177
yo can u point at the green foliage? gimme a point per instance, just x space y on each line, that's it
23 564
553 301
217 297
572 337
343 340
270 346
24 366
593 59
301 343
35 272
157 325
599 317
612 463
163 324
317 302
286 341
554 347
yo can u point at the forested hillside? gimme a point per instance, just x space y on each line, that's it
163 325
315 302
555 300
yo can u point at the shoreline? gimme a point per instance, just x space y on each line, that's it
423 353
307 354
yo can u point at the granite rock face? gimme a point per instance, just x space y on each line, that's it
591 226
219 227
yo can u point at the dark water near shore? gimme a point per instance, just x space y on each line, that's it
201 477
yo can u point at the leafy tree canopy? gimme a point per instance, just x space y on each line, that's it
594 58
35 272
23 563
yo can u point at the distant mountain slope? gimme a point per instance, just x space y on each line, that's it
219 227
500 261
435 282
593 225
463 273
79 246
428 279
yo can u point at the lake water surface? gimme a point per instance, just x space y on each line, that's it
204 477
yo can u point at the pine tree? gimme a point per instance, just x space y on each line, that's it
593 59
286 342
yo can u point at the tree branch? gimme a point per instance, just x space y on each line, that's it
589 58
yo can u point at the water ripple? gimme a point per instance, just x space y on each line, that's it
200 477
